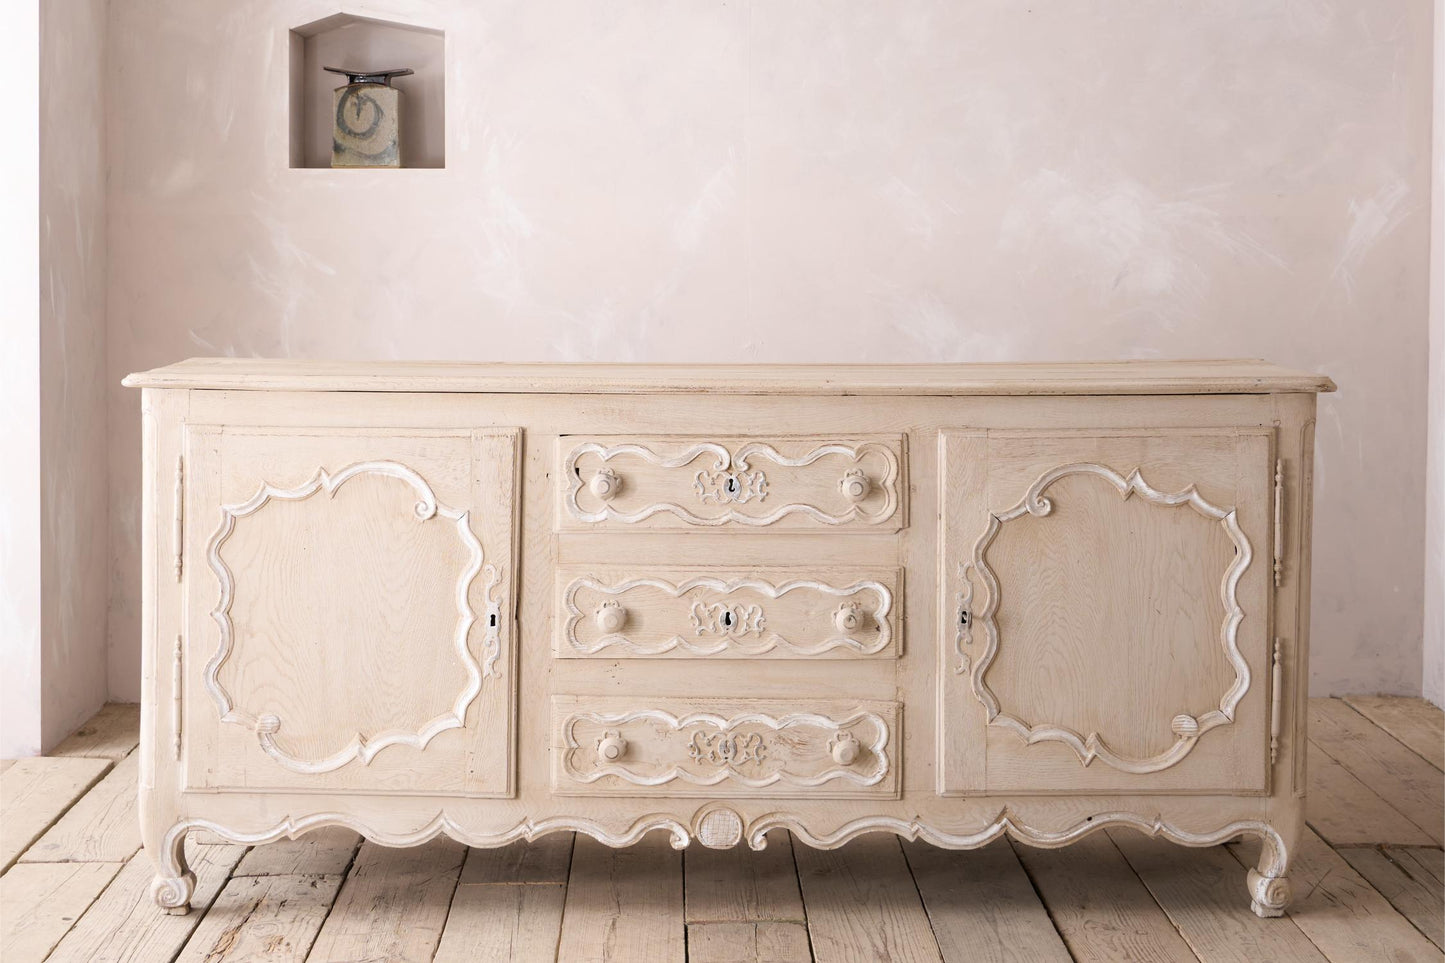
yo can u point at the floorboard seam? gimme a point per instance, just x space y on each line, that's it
1432 763
1038 895
60 815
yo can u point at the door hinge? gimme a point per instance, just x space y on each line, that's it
177 678
1276 693
1278 521
178 528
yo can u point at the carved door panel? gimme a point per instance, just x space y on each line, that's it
1106 611
350 608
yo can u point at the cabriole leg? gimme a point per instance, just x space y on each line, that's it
1269 888
174 882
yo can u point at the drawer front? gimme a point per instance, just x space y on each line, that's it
610 746
762 485
774 614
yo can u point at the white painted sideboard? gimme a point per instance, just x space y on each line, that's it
950 602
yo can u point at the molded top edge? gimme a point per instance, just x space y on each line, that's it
1249 376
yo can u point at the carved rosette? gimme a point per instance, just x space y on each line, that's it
718 827
270 728
1186 728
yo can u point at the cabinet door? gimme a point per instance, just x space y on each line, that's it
1106 611
350 606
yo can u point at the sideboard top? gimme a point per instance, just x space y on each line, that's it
1072 378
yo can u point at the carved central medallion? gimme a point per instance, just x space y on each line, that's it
723 620
725 749
737 487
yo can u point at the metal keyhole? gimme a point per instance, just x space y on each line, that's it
963 619
727 620
732 486
492 620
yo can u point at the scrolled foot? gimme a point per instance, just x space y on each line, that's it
173 893
1268 895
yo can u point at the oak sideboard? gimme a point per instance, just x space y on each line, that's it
951 602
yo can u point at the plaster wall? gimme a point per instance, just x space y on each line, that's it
74 463
1433 661
20 388
809 181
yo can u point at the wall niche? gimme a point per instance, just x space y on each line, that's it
364 43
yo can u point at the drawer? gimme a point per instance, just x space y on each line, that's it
613 746
762 485
674 613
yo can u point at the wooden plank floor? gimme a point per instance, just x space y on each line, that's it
1367 881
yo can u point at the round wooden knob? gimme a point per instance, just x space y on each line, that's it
844 749
849 617
611 747
605 484
611 617
855 485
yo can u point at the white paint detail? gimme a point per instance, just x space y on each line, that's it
361 746
963 618
731 641
711 830
728 725
1093 746
737 465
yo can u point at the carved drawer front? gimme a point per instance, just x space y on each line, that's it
756 484
607 746
686 614
1106 611
349 610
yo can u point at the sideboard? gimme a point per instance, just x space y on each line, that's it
951 602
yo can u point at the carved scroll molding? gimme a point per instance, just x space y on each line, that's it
1090 746
963 631
732 480
362 746
716 825
628 832
712 637
714 742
